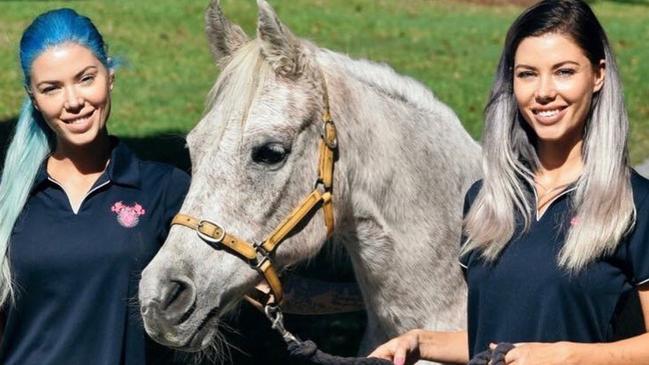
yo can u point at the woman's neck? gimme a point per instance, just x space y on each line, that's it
560 163
83 160
77 168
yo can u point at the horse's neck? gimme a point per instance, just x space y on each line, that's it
407 162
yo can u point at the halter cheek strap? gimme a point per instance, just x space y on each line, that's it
217 238
260 255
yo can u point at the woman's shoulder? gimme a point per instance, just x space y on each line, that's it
473 190
640 187
471 194
161 168
125 163
156 172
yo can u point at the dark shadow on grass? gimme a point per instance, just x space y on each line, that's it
168 147
628 2
6 128
338 334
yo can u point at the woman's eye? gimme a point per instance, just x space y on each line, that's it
48 90
525 74
565 72
269 154
88 79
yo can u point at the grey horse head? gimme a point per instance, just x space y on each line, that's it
404 163
254 157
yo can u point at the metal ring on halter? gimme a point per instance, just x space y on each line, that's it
331 144
207 238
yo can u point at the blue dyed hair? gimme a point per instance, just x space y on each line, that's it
57 27
33 141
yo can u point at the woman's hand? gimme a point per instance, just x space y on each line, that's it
400 350
534 353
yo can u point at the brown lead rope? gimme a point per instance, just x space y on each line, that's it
492 357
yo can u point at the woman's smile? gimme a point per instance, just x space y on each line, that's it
549 116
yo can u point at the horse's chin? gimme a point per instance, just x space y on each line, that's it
200 340
185 337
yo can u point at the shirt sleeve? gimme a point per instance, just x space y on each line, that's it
638 245
176 190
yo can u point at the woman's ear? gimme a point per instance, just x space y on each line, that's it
111 79
599 74
30 94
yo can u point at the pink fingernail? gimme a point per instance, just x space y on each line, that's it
399 361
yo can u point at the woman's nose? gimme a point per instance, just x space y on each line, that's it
73 99
546 90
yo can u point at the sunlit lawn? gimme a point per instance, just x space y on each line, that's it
452 47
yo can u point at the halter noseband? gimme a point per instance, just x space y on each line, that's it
260 255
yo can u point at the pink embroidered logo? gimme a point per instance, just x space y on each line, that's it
575 221
128 216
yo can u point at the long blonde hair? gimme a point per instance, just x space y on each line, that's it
603 200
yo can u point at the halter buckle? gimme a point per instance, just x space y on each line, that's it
262 255
207 238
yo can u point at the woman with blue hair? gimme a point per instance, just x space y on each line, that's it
80 215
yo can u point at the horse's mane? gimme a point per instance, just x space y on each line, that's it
383 79
247 71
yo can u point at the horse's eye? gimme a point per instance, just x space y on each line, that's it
269 154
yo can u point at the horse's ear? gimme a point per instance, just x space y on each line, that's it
279 46
223 37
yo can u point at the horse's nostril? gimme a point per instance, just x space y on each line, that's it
173 292
178 300
146 309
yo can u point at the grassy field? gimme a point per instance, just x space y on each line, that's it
452 47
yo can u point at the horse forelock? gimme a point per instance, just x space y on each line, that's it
237 86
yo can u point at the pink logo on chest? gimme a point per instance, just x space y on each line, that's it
128 216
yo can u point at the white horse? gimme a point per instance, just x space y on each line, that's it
404 162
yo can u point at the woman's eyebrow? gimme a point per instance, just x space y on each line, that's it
565 63
557 65
521 65
78 75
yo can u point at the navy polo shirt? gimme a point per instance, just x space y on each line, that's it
76 273
524 296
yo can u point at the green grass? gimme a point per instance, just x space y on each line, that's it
452 47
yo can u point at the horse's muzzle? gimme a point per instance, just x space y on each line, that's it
165 307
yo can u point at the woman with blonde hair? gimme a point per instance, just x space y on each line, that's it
557 232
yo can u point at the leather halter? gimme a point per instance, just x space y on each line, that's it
260 255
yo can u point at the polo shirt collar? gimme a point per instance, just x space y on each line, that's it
41 175
123 168
531 188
